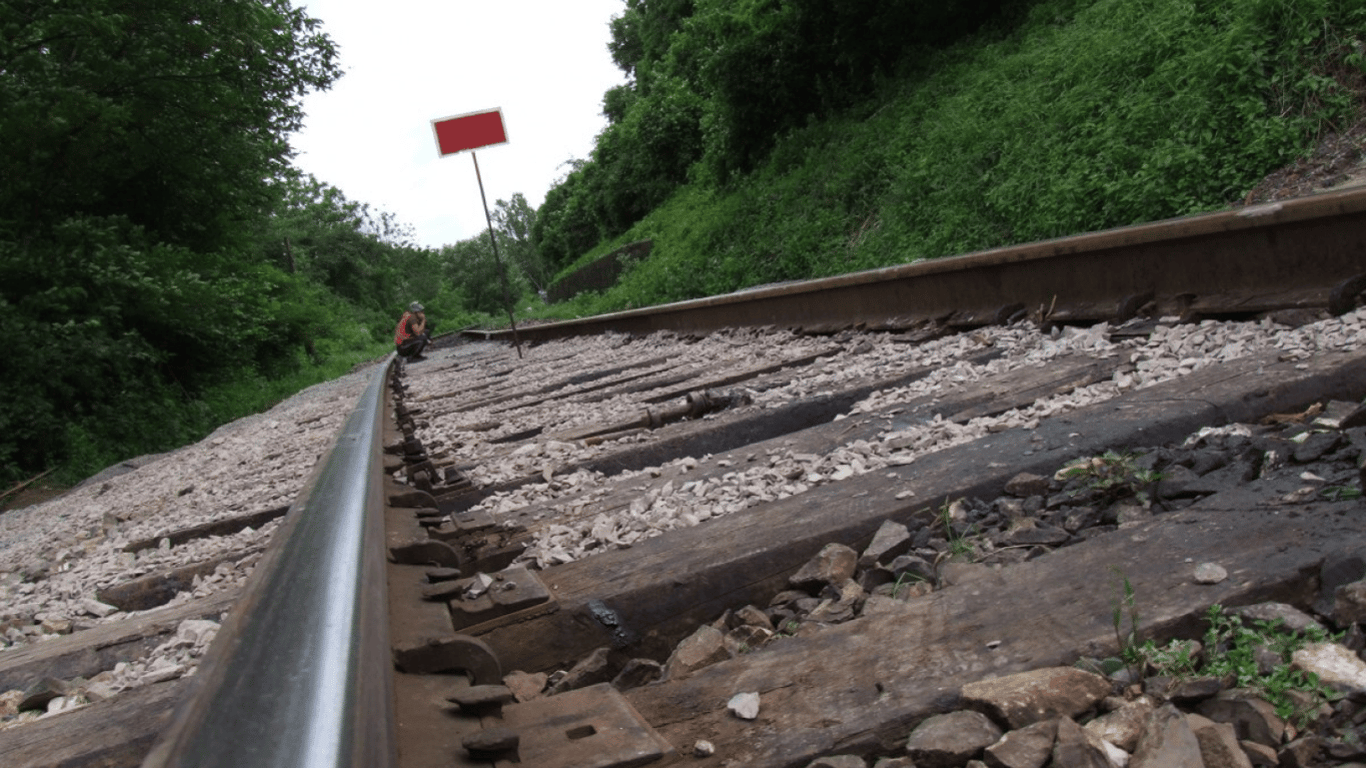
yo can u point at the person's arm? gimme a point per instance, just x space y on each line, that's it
421 324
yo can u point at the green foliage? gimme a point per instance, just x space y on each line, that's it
642 34
104 316
1126 606
646 156
903 580
1340 492
716 82
773 64
139 141
363 257
1054 117
514 222
121 335
1117 113
1230 651
567 223
1114 474
1231 648
639 160
484 281
960 543
470 264
1178 658
170 113
1150 110
162 268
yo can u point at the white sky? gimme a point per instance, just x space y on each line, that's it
407 62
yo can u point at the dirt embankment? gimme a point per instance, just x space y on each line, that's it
1337 161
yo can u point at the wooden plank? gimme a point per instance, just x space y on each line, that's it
155 589
114 733
725 432
695 406
1017 389
643 384
664 587
492 377
726 380
992 395
222 527
87 653
739 427
625 380
861 686
571 384
712 370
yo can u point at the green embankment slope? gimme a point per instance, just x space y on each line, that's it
1075 116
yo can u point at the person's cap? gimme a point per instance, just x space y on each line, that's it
415 307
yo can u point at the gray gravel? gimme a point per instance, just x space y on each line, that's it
572 530
55 556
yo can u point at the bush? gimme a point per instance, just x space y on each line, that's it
1082 116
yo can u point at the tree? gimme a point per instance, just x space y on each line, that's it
469 266
139 141
769 66
617 102
339 243
514 221
174 114
568 223
644 32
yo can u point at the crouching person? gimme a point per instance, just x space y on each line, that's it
410 337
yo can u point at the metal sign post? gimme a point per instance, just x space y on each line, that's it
470 132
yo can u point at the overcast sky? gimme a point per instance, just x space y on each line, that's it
407 62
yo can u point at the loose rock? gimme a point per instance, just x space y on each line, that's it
744 705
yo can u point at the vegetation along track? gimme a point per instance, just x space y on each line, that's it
604 549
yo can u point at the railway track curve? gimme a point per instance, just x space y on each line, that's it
582 556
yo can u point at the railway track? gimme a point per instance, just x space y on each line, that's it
600 525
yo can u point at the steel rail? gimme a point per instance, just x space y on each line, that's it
300 675
1275 256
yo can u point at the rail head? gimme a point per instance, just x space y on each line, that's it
300 674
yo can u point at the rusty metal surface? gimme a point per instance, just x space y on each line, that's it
512 590
1271 256
451 654
593 727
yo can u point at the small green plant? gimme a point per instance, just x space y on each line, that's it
903 580
1112 473
1231 649
1175 659
1147 476
960 544
1127 641
1340 493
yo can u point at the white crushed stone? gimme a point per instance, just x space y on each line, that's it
260 462
253 464
449 416
578 527
177 657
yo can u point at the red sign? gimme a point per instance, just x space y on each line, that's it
471 131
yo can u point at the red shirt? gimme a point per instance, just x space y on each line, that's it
404 331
